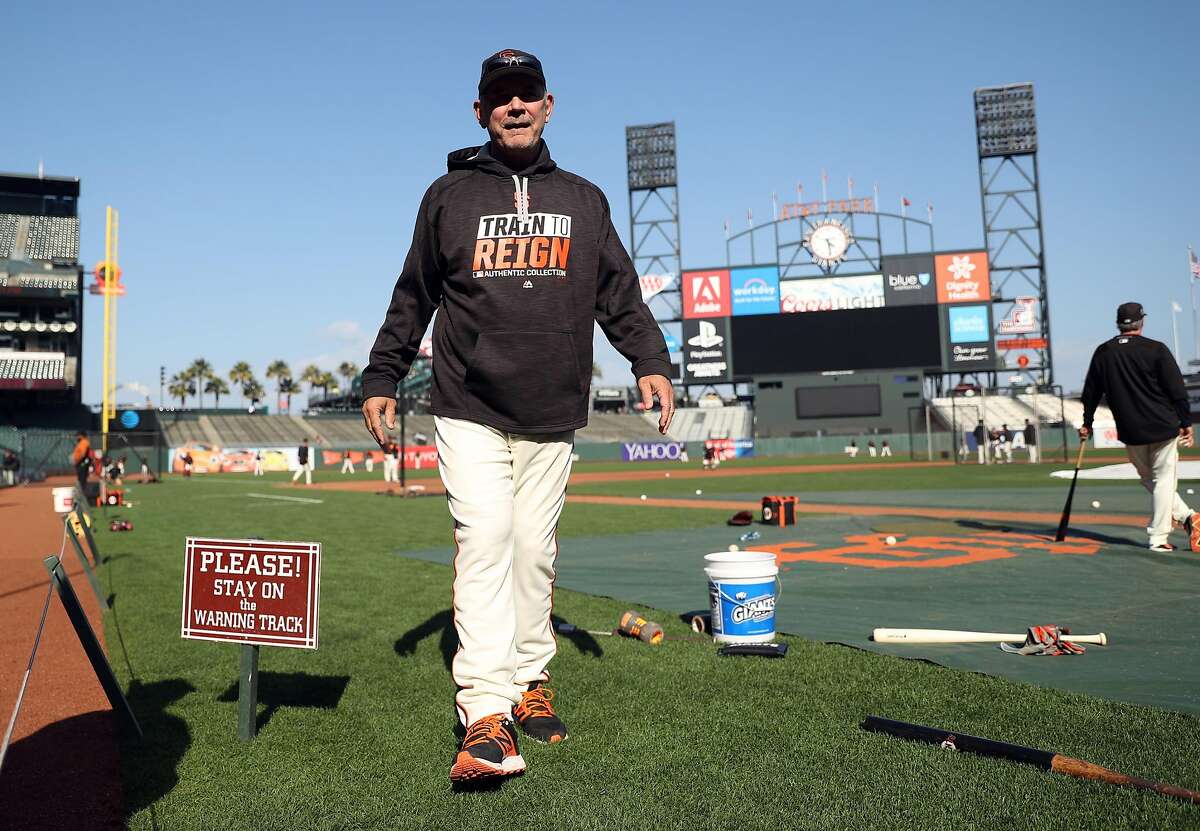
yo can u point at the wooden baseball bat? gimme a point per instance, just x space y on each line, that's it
1065 520
1043 759
955 636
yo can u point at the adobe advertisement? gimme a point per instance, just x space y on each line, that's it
706 293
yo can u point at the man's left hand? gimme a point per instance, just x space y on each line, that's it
658 385
1187 437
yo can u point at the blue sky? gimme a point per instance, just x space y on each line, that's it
268 158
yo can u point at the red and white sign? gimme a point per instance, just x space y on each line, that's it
1004 344
653 284
252 591
962 278
1021 318
706 293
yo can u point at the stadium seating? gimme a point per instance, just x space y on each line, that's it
700 423
182 430
604 427
43 237
34 369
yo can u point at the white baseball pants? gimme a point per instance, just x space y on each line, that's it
506 492
1157 465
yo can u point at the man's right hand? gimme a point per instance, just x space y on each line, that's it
1186 437
378 411
1085 433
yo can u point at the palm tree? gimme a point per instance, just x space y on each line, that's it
253 390
201 371
241 375
181 387
325 382
280 371
217 387
311 376
286 387
348 370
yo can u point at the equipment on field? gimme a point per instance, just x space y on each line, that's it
956 636
1066 514
634 625
742 586
779 510
112 498
700 620
740 518
1043 759
1045 640
120 525
757 650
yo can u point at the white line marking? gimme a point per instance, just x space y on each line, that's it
286 498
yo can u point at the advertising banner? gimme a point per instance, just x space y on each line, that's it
731 448
908 280
653 284
652 451
706 351
706 293
210 459
968 331
252 591
1022 318
1021 343
755 290
824 294
962 278
1104 435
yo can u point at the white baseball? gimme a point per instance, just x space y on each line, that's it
1190 491
733 547
1095 503
890 540
698 492
643 497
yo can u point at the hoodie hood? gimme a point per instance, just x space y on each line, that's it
481 159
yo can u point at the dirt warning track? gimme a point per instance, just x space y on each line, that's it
434 484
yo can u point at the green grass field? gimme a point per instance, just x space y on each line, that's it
360 733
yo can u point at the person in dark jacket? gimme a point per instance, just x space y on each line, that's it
303 460
520 260
1030 435
1143 386
981 436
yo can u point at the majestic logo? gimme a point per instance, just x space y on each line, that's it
536 245
708 337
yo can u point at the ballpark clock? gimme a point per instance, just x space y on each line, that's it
828 242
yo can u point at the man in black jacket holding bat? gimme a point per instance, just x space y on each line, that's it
1144 389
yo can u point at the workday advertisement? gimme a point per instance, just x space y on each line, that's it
755 290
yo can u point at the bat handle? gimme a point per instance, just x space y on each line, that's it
1079 458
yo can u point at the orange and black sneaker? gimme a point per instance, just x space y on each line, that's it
537 718
1192 526
489 751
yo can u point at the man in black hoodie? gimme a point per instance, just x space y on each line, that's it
519 259
1144 389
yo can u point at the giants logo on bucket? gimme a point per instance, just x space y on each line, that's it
754 609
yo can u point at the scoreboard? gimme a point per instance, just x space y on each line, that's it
930 311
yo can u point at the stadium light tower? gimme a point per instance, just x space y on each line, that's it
654 214
1006 130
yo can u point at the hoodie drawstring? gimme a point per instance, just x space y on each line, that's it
521 197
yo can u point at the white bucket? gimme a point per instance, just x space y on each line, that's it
64 500
742 590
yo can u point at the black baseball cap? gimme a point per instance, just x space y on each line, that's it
1130 313
510 62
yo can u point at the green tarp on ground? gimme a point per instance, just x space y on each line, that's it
1144 601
